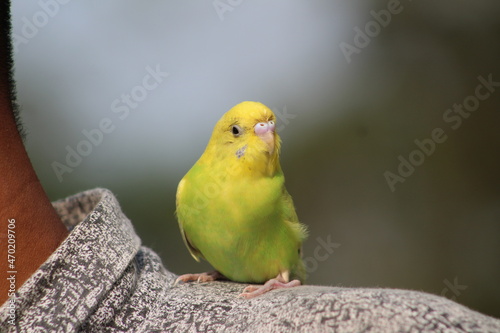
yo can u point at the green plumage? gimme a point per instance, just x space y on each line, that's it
232 206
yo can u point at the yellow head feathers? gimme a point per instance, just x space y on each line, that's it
246 140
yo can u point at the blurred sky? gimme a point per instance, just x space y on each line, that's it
344 122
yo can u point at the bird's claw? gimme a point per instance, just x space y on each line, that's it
256 290
199 277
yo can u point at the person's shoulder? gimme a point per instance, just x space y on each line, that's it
215 305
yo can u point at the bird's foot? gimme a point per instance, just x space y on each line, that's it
256 290
200 277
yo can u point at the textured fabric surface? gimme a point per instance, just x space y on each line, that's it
102 280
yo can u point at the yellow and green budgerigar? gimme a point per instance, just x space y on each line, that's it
233 208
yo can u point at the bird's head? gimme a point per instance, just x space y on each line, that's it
247 134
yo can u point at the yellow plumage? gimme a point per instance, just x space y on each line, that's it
232 205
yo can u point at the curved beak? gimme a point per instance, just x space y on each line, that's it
265 131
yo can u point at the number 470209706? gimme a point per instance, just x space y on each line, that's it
11 244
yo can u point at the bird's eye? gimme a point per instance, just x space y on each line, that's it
236 130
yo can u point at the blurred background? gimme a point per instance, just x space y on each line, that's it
353 83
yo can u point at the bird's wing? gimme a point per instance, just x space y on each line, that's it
192 249
300 232
291 216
